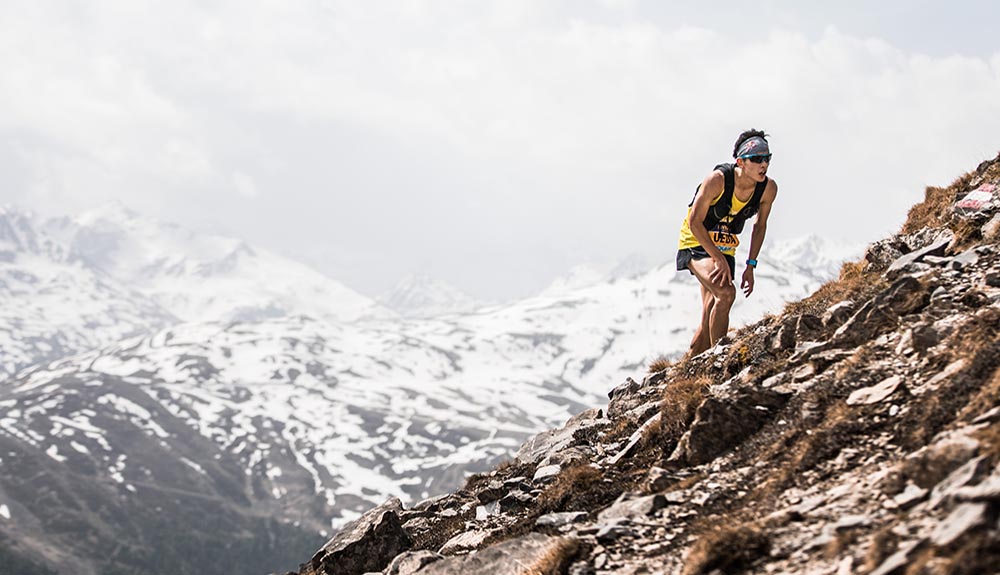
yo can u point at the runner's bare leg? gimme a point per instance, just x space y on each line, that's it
702 336
723 297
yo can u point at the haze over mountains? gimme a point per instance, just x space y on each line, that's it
152 374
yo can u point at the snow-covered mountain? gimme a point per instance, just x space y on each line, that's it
55 304
420 295
296 419
75 284
203 277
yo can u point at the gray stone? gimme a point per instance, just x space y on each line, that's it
635 438
551 441
784 337
882 253
547 472
838 314
567 457
991 229
368 543
897 563
628 387
910 496
964 259
560 519
613 531
722 423
936 248
876 393
807 327
992 279
964 517
964 475
515 501
918 339
465 541
658 479
987 490
632 508
530 554
851 522
410 562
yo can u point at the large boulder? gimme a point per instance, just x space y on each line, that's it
366 544
532 554
722 423
550 443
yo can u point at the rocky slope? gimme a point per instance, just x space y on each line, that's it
857 432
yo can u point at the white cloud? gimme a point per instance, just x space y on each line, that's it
519 130
244 185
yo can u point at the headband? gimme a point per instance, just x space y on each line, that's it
755 146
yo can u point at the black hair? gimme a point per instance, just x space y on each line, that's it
746 136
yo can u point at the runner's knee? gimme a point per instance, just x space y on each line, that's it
726 296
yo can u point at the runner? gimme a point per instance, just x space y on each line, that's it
729 196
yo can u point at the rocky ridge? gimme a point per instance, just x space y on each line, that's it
857 432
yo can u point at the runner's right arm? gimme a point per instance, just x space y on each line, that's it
710 189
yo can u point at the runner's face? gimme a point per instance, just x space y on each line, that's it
755 171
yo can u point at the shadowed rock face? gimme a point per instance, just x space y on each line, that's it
859 432
366 544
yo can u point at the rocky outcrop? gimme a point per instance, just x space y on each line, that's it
368 543
857 433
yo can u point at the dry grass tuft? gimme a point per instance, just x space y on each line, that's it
884 544
933 212
681 399
989 439
853 283
971 385
838 428
659 364
574 484
555 559
620 429
728 549
936 209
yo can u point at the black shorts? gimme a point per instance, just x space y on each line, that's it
697 253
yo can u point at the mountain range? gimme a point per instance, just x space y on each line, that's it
155 378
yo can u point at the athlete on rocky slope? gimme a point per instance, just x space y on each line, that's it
729 196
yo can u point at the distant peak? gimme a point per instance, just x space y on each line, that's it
114 211
420 295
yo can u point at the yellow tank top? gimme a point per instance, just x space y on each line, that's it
725 241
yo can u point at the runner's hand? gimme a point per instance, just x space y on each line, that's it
747 284
721 274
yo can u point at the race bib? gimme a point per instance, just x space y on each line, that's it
724 240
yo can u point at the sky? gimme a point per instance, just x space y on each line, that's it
491 144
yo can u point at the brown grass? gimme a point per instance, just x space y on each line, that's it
972 384
555 559
936 209
681 399
574 483
989 439
620 429
883 545
659 364
853 283
933 212
726 548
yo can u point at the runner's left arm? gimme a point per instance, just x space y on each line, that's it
759 231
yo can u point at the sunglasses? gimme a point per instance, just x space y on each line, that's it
759 159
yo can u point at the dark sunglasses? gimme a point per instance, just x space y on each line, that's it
759 159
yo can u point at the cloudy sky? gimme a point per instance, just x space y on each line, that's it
492 144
